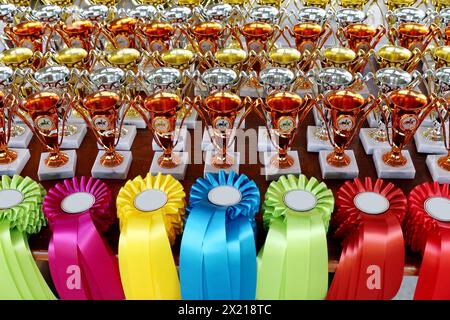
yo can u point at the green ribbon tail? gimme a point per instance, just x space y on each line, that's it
271 265
318 257
30 271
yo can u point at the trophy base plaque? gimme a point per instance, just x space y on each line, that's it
181 145
207 145
21 141
126 141
178 172
16 167
210 169
74 141
273 173
330 172
425 145
64 172
369 143
119 172
437 173
314 144
190 121
385 171
264 142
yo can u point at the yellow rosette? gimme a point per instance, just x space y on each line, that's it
151 213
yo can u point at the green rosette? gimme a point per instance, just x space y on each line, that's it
293 263
20 215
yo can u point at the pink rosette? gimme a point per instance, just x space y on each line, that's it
427 230
82 265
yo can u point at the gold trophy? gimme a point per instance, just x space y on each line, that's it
396 4
125 59
103 113
21 57
12 161
344 58
439 165
412 35
391 56
78 34
353 4
440 55
343 113
405 110
28 34
48 112
360 36
218 112
72 58
283 113
160 113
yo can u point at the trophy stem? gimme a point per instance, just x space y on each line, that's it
444 162
111 158
169 160
338 158
282 160
7 156
394 158
222 160
56 159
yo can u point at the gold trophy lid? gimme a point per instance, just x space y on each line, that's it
78 26
70 55
394 53
122 24
162 102
344 100
339 54
284 101
231 55
123 56
257 29
223 102
207 28
408 99
177 57
285 55
41 101
28 28
102 101
15 55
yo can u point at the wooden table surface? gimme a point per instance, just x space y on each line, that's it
143 154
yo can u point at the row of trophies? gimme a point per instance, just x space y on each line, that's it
103 71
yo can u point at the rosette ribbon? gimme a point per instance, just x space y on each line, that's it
427 230
20 215
82 265
368 219
218 253
293 264
149 227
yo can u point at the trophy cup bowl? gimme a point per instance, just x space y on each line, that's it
158 34
333 78
48 13
217 12
220 79
347 111
96 12
121 32
441 56
107 78
345 58
285 111
400 57
360 36
355 4
208 35
178 58
8 12
163 79
7 156
256 35
312 14
125 58
26 34
276 79
348 16
104 112
77 34
72 58
234 58
412 35
397 4
308 35
20 57
177 14
288 57
44 109
407 109
142 12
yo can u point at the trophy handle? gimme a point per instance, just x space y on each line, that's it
326 33
29 125
320 98
260 113
303 112
10 34
443 119
392 35
414 60
418 78
130 103
191 103
279 34
361 60
434 30
381 30
10 103
368 109
359 81
66 99
341 36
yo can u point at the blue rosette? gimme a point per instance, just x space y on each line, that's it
218 253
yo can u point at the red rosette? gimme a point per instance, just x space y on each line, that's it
368 220
427 230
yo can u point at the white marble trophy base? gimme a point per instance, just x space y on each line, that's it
273 173
317 117
21 141
247 91
210 169
425 145
369 143
385 171
329 172
136 121
437 173
64 172
125 142
178 172
74 141
313 143
75 119
181 145
207 145
119 172
190 120
428 122
373 123
16 167
264 142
